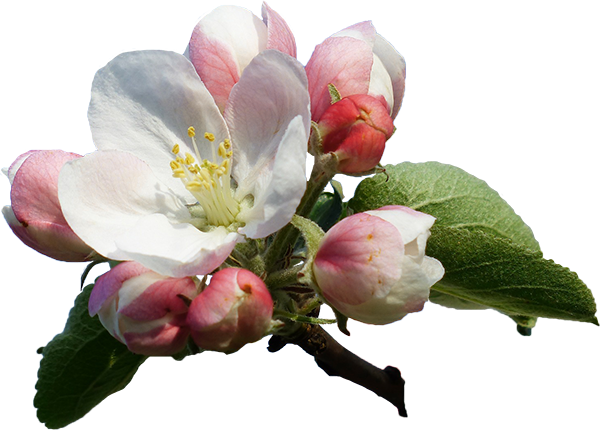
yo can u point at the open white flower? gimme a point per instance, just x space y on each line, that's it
175 184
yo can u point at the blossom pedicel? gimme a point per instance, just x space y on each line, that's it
234 309
372 266
35 214
142 309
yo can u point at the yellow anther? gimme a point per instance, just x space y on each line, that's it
175 149
175 165
179 160
189 159
209 136
193 170
227 144
191 132
222 151
178 173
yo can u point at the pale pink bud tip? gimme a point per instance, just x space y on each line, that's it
35 215
356 129
235 309
372 266
142 309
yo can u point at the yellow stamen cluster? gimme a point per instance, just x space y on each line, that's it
208 181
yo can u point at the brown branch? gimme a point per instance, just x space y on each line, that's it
336 360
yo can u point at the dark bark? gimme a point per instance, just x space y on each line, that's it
335 360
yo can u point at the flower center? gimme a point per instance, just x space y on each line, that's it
209 182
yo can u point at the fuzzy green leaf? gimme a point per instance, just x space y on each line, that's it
456 198
81 367
498 273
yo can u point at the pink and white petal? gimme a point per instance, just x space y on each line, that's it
104 194
270 94
364 31
342 61
143 102
222 44
109 284
277 195
409 222
395 66
152 296
280 37
160 337
12 169
53 240
34 194
177 250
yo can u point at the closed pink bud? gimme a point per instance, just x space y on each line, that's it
372 266
235 309
356 60
35 215
142 309
356 129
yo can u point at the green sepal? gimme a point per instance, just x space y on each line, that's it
81 367
334 94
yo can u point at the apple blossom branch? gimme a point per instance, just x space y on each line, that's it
335 360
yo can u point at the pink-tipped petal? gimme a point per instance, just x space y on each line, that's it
36 216
358 259
362 30
280 37
222 44
159 299
344 62
109 284
167 339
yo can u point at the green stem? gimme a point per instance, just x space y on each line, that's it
323 171
283 278
301 318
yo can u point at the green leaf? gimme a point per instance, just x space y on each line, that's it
456 198
498 273
327 209
81 367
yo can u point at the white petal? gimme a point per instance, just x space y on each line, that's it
278 194
237 27
409 222
106 193
380 83
143 102
176 249
396 68
272 91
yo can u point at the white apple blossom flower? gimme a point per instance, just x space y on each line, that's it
175 185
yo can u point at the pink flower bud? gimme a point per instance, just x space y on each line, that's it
142 309
356 60
356 129
372 266
35 215
225 41
235 309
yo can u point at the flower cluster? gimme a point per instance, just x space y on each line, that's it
200 167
